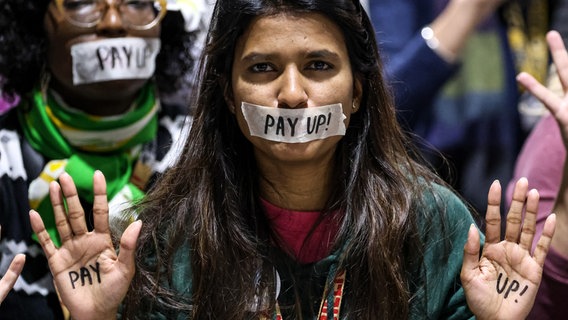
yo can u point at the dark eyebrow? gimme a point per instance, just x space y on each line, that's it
317 54
322 54
255 56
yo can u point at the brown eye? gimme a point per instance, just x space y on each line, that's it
262 67
319 65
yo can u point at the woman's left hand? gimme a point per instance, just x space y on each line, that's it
502 283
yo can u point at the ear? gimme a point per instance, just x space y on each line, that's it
357 94
227 94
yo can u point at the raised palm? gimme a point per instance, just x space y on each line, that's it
90 277
554 101
503 282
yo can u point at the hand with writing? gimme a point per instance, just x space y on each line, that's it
9 279
90 278
503 282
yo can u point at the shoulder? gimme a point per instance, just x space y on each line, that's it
17 158
543 152
541 161
437 197
444 226
443 218
174 277
11 137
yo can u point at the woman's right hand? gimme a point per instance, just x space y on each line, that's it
89 276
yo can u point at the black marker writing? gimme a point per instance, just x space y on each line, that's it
280 125
121 57
84 274
513 287
318 122
500 290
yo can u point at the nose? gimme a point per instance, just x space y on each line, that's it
292 92
111 24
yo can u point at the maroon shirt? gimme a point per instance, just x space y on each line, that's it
541 161
300 234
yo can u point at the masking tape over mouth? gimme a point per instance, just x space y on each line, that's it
294 125
114 59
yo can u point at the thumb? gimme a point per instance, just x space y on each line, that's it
128 246
470 254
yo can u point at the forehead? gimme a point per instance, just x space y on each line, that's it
286 31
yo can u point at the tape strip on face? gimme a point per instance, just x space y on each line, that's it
294 125
114 59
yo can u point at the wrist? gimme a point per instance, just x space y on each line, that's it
433 43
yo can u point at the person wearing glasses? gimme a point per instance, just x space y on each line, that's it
297 196
99 83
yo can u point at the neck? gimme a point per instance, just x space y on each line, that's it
116 102
304 187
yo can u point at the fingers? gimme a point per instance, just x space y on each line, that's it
17 265
42 235
558 51
67 209
493 214
551 101
59 212
529 223
100 204
128 246
559 56
543 243
9 279
76 214
470 252
514 217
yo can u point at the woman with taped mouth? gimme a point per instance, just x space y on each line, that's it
295 197
99 83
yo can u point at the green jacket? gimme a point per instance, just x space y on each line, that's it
442 287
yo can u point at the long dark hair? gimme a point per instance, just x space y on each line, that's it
208 203
23 48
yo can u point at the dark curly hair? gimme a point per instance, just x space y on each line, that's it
23 47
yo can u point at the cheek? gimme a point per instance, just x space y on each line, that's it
338 88
257 94
59 59
59 48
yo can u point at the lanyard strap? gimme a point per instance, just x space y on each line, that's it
328 300
333 300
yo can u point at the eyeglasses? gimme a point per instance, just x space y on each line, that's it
135 14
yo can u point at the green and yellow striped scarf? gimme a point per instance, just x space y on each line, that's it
79 144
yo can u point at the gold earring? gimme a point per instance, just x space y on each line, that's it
355 106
